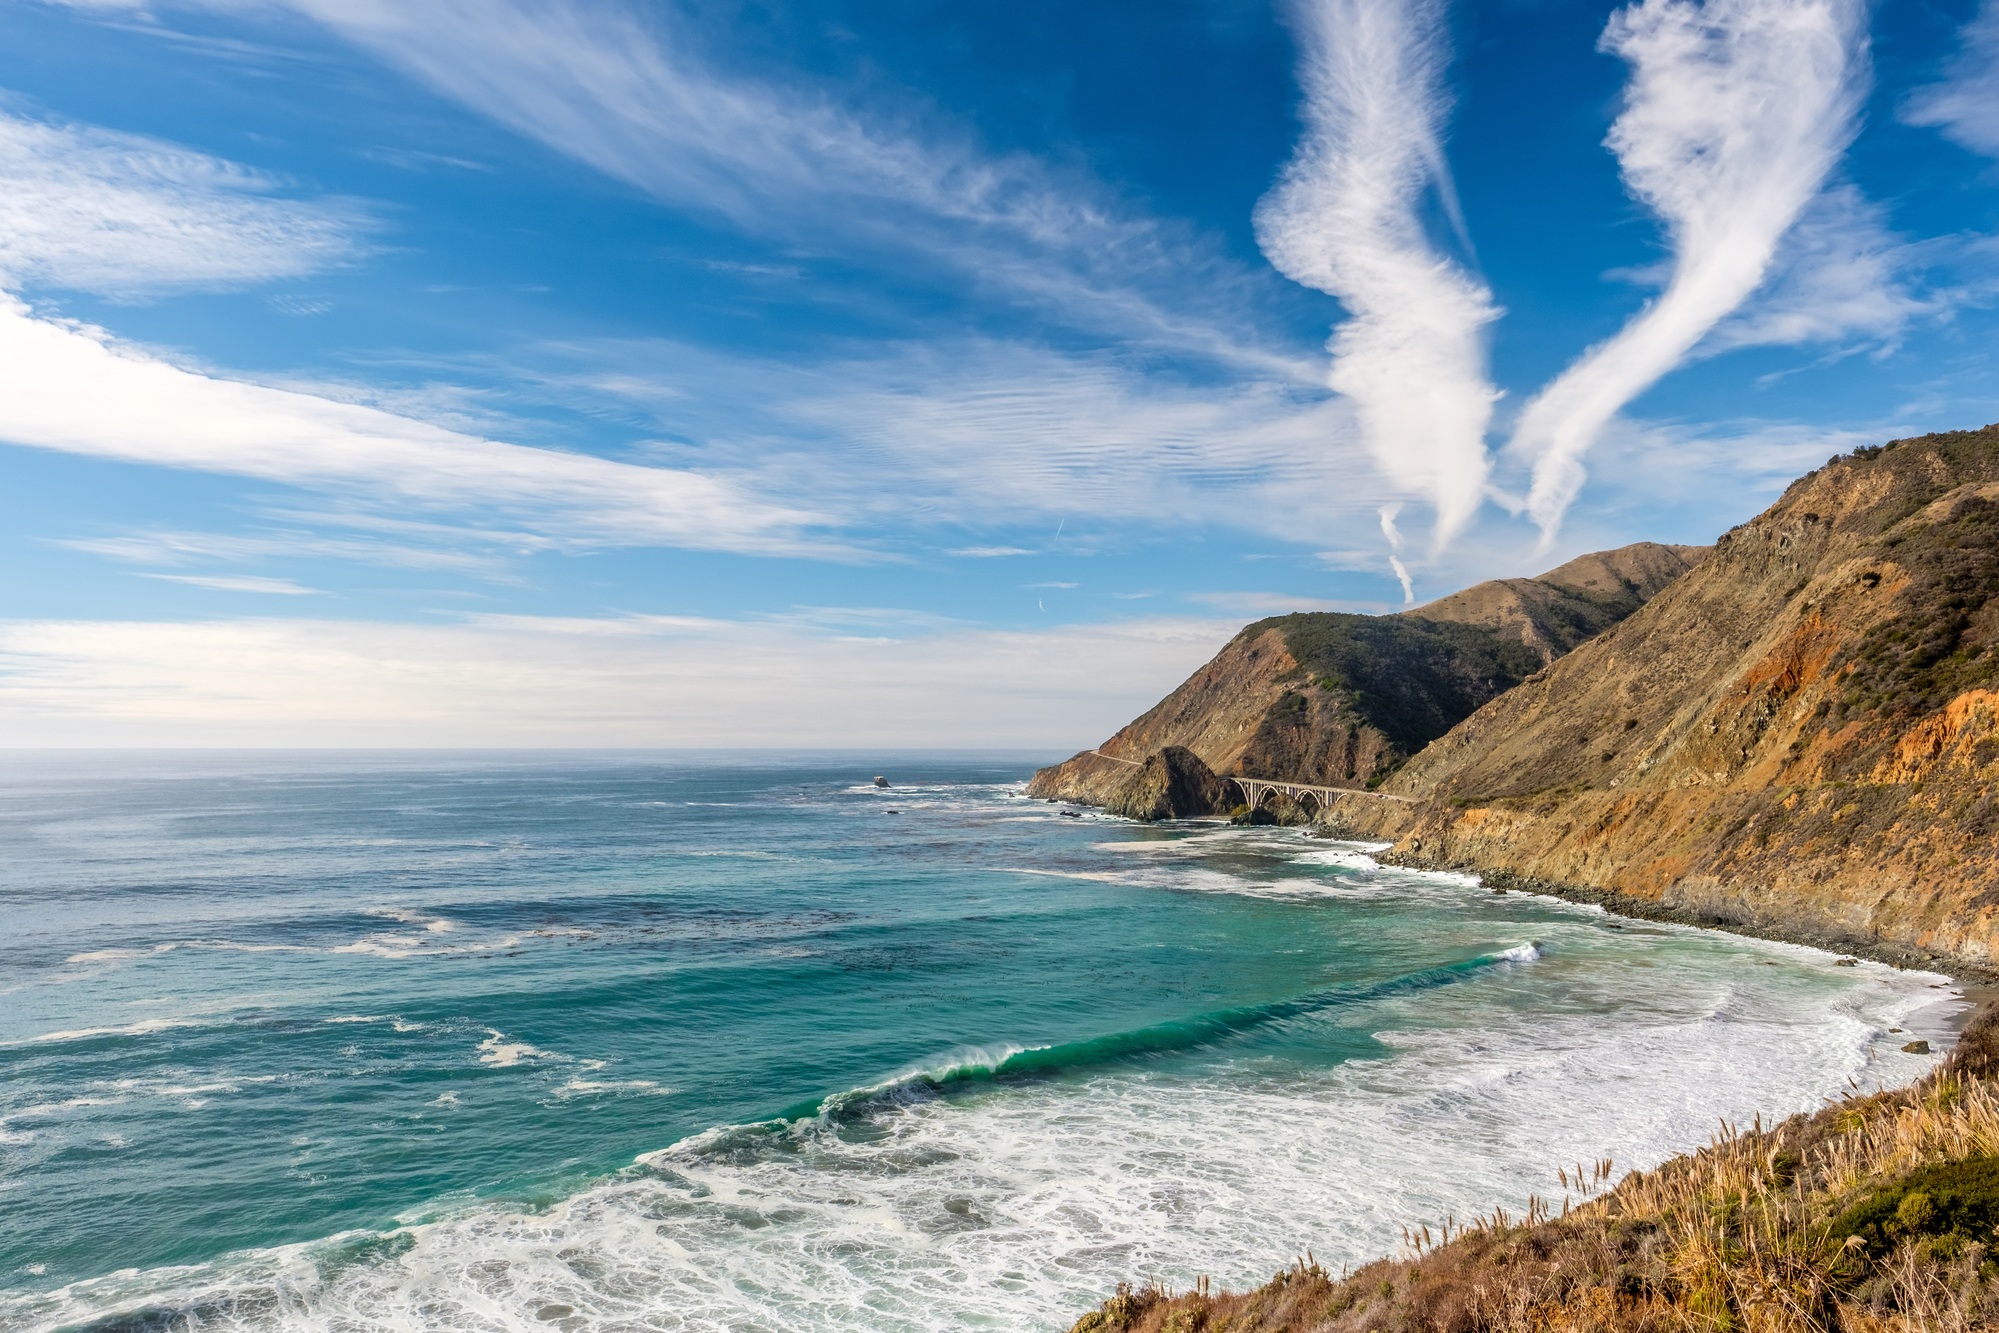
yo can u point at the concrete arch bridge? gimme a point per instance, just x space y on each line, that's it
1257 790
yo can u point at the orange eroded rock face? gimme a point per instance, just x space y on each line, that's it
1799 736
1951 738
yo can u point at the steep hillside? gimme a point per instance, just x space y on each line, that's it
1555 612
1345 699
1801 736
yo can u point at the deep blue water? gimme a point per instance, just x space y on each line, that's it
732 1042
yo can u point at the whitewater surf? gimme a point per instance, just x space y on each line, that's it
531 1042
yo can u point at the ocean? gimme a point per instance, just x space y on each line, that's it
618 1042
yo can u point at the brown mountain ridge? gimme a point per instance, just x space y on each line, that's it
1344 700
1797 734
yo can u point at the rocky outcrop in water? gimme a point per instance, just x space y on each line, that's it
1172 784
1346 699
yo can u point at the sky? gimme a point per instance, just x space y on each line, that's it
902 373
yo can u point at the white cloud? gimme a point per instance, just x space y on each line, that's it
71 388
1736 112
988 552
977 432
1965 105
1346 219
1840 273
1015 432
1019 432
974 434
1737 467
640 681
1393 536
1348 560
178 548
255 583
596 83
126 216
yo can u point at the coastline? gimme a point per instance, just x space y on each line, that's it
1973 978
1869 1215
1976 986
1979 982
1620 1258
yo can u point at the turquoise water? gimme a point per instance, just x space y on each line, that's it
311 1041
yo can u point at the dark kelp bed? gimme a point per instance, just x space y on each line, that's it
1878 1214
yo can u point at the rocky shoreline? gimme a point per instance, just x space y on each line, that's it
1964 971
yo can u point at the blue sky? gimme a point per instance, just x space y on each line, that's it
533 372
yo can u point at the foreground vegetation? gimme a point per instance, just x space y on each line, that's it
1879 1214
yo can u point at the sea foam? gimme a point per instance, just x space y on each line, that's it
954 1199
1011 1184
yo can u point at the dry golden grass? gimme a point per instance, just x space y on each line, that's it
1879 1214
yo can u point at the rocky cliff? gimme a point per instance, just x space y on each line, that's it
1346 699
1799 737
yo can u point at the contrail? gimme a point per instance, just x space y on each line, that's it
1344 219
1389 513
1736 112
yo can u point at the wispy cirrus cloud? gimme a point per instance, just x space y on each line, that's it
632 96
1964 105
89 209
126 216
388 542
1735 114
1346 218
1841 274
983 433
175 549
75 389
1022 432
979 445
252 583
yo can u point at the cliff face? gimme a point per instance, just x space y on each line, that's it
1172 784
1800 736
1345 699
